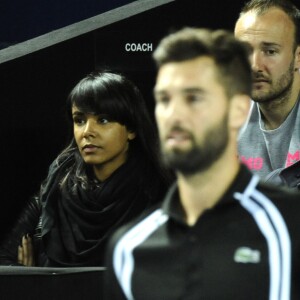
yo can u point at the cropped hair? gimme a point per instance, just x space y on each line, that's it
230 55
261 6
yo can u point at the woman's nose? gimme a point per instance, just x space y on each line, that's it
89 129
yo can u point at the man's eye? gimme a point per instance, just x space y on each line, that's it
193 98
163 99
270 52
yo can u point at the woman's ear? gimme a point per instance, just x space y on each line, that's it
131 135
239 110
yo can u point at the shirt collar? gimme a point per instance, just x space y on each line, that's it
173 208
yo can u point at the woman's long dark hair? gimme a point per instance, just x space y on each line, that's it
113 95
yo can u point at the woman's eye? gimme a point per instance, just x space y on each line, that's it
78 121
103 120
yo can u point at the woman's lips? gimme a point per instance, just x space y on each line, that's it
90 148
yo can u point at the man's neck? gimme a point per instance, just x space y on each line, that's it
203 190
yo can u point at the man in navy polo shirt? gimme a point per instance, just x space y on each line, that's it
219 233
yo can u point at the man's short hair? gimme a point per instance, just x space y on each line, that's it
261 6
230 55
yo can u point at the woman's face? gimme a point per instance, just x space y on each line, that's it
102 142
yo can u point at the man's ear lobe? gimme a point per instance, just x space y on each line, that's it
239 110
297 59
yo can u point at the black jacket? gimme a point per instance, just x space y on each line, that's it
70 226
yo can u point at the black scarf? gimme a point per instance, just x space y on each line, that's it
76 225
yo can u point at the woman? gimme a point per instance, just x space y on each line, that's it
108 174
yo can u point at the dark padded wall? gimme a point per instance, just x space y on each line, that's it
23 20
112 43
33 123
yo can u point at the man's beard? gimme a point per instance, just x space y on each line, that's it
281 90
200 157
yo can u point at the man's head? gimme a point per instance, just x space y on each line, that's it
201 93
272 28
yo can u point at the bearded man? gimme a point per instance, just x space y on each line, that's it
269 142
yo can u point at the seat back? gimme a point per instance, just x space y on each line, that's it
50 283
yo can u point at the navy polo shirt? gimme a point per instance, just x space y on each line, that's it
239 249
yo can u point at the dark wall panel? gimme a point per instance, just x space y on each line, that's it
23 20
127 45
33 119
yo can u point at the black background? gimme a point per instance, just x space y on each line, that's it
34 87
22 20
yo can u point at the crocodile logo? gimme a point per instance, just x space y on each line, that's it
246 255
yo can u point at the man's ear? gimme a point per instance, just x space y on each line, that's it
239 110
